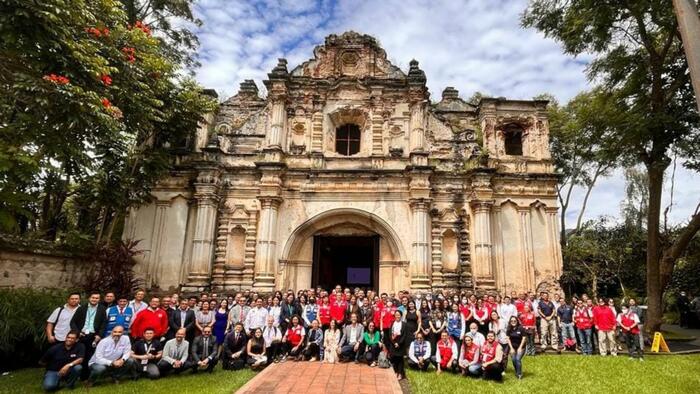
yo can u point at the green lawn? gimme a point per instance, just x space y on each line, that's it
576 374
29 381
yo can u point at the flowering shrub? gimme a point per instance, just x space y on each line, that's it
57 79
106 79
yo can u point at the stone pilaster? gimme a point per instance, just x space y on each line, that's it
482 260
420 274
207 200
266 250
527 258
277 88
436 255
553 236
154 264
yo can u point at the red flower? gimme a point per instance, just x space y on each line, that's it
106 79
129 53
105 31
106 103
57 79
143 27
94 31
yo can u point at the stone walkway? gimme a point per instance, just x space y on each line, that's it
320 378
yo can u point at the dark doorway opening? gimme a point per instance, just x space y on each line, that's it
347 261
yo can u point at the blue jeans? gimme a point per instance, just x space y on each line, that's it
97 370
517 358
52 381
585 336
567 331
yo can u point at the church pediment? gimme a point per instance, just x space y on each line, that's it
348 55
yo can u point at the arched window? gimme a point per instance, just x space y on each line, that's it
347 139
513 140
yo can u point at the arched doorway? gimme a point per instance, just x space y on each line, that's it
344 246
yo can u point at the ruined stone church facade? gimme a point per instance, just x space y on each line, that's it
346 172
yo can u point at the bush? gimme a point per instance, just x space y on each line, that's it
23 314
114 268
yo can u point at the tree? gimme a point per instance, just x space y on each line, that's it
92 107
643 74
575 130
636 203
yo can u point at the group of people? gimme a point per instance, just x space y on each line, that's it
473 335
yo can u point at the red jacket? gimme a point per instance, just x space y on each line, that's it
324 314
157 320
604 318
338 311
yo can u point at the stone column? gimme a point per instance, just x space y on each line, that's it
277 117
207 200
554 245
154 263
526 248
482 239
277 88
420 274
266 250
497 249
436 233
417 127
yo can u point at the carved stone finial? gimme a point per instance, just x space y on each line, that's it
280 69
415 74
248 88
450 93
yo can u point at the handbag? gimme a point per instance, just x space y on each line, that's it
383 361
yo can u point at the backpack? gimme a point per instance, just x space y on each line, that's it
383 361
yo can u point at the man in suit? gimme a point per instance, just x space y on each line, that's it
183 317
234 348
205 352
351 340
353 308
90 320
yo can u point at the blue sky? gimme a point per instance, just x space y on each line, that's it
472 45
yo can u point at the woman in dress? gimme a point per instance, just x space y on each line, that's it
203 318
437 326
424 318
411 319
331 341
221 322
256 351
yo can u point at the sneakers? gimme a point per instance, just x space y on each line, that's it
312 359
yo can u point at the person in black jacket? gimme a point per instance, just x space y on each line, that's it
90 321
289 309
233 351
395 344
204 351
183 317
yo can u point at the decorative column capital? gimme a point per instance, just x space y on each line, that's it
270 202
481 206
420 204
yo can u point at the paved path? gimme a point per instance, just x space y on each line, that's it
321 378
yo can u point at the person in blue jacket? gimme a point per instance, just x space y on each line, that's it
119 315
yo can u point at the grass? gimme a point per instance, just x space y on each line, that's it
576 374
29 381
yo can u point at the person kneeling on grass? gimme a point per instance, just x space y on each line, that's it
256 351
491 356
146 353
113 356
63 363
234 349
176 352
446 354
205 352
419 353
293 340
470 358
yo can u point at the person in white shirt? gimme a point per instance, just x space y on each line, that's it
446 354
113 356
58 324
138 304
419 353
477 337
255 318
273 340
506 310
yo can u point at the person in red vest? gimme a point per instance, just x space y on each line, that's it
481 316
338 308
629 323
583 319
470 358
446 354
386 317
604 321
466 310
491 357
528 321
324 313
293 340
152 317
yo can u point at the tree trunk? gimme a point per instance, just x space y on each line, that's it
655 170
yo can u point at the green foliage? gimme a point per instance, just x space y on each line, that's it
113 268
93 105
23 314
605 258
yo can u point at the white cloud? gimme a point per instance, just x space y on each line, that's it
471 45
